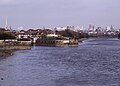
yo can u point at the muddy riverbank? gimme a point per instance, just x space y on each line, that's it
5 52
9 50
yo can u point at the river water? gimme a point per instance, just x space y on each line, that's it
95 62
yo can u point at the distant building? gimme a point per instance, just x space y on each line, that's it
61 28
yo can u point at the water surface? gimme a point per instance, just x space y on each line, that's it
95 62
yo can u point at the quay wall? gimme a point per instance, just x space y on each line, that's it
15 45
57 43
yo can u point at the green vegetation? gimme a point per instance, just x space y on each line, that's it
119 36
72 34
6 35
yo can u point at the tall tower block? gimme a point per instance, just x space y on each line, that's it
6 23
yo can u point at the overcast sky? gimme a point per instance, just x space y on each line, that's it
54 13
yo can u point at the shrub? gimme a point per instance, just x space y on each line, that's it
6 35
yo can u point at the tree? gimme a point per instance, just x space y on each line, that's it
6 35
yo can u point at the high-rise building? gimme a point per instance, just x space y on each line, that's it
6 23
112 29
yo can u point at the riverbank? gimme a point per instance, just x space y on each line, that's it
5 52
82 39
9 50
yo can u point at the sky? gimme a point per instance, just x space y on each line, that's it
59 13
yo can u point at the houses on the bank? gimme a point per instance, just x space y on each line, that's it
32 35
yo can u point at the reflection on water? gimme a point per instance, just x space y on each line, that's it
96 62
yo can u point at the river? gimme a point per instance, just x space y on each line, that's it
95 62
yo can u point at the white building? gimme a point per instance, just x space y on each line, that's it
61 28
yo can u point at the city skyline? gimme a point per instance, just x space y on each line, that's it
58 13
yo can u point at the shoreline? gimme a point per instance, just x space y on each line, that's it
9 50
6 52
